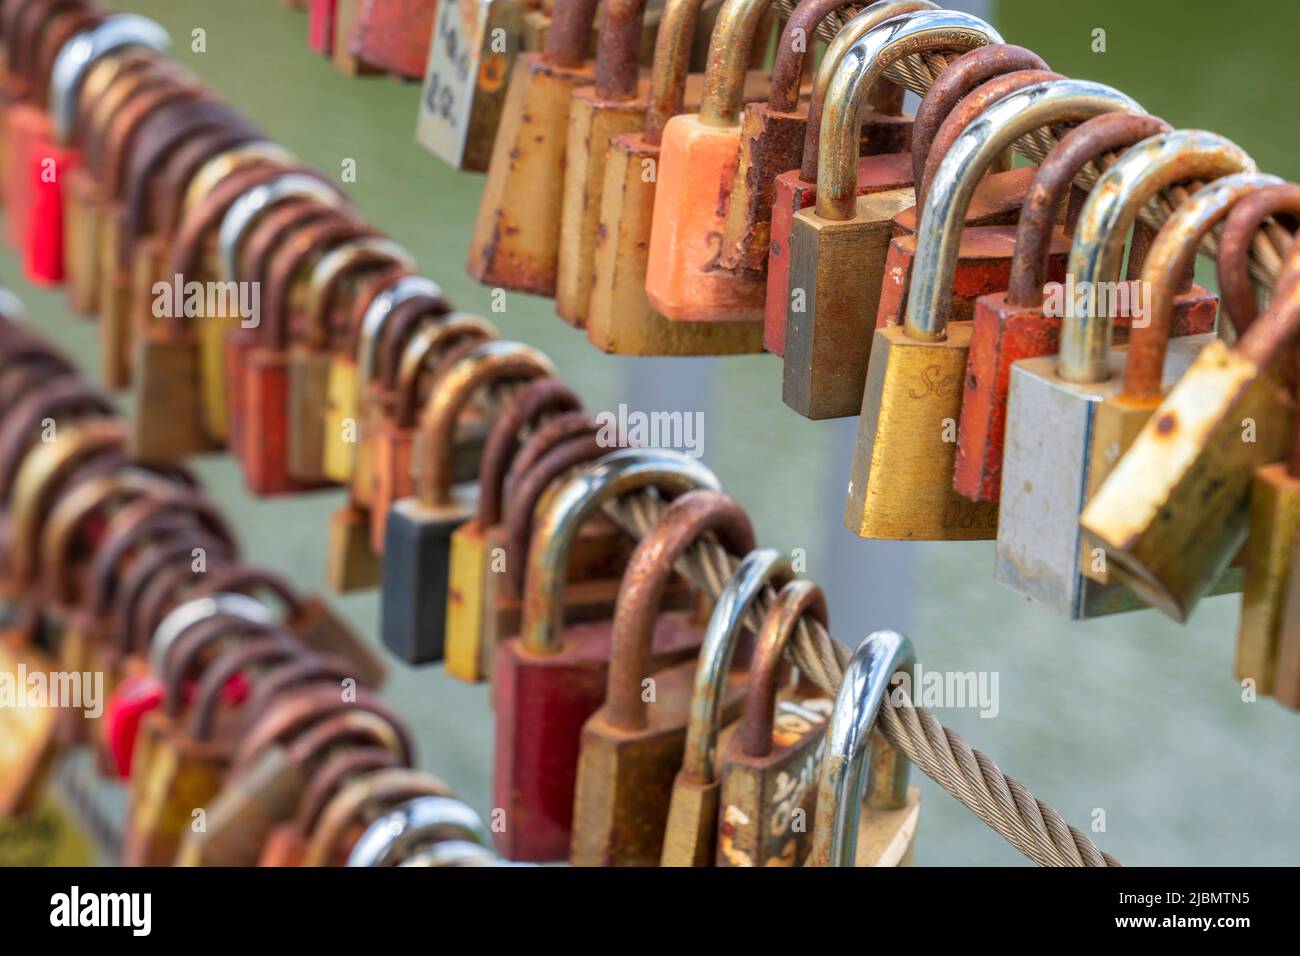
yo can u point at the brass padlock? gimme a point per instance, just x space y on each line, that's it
769 773
472 560
30 733
1040 547
417 541
1286 667
517 233
632 747
838 247
901 487
620 318
691 833
880 828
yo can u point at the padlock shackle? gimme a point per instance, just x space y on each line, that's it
284 270
1104 222
74 60
55 35
488 363
549 434
195 611
640 594
356 728
274 648
215 169
939 230
1090 140
795 601
421 820
618 49
619 473
958 79
671 63
109 165
1170 257
354 797
356 255
99 83
850 736
569 35
242 578
428 342
186 655
857 73
55 400
1236 289
449 853
1275 331
94 130
24 47
730 51
967 112
245 210
540 397
528 491
375 321
406 322
761 568
309 668
792 49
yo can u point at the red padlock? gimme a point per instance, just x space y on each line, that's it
320 26
551 678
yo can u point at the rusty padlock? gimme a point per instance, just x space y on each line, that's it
393 35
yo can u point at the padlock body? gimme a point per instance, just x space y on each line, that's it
697 162
516 237
1174 511
768 804
168 420
1286 665
1045 477
308 395
620 318
887 837
791 193
265 429
341 428
417 562
542 702
901 488
181 776
467 580
351 563
79 235
835 280
1270 544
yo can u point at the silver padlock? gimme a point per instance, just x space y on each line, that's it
1053 401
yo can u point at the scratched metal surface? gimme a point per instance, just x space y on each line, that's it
1130 715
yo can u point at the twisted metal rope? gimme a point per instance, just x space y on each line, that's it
1002 802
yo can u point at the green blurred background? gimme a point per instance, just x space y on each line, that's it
1133 723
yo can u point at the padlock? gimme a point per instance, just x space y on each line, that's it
414 826
471 560
471 55
68 76
1046 471
189 753
697 162
417 540
30 733
264 793
377 323
691 831
769 773
346 13
342 424
774 132
1011 325
320 26
551 677
631 750
307 617
265 404
867 815
901 486
1170 260
395 436
517 233
342 820
1286 666
825 317
393 35
620 318
985 253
